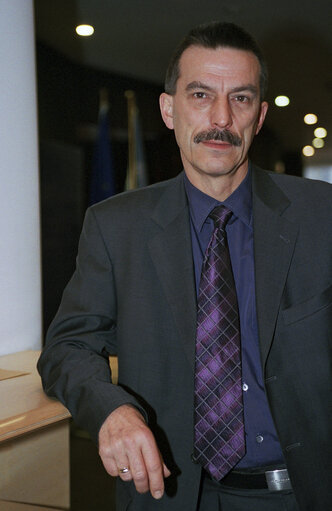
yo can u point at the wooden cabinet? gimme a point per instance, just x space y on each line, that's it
34 441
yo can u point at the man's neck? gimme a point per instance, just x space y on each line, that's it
219 187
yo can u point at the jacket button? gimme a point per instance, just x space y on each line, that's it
193 459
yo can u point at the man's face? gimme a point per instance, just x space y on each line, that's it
216 110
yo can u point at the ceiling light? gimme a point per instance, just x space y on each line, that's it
281 101
320 132
310 119
318 143
308 150
84 30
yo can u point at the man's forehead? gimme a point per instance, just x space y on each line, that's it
199 58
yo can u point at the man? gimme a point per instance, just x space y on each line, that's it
137 292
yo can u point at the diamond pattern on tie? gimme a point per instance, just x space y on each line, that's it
219 423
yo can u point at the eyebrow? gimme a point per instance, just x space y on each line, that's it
248 87
198 85
241 88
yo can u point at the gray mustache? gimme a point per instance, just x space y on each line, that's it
220 135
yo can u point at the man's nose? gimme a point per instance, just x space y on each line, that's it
221 114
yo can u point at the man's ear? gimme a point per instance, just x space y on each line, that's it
166 109
261 116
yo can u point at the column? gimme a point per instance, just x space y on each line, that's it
20 268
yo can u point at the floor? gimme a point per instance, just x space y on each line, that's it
92 489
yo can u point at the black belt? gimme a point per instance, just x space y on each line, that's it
274 479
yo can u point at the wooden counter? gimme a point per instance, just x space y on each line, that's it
34 440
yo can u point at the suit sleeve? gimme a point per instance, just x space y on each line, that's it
74 364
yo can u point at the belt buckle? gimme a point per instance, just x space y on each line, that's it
278 480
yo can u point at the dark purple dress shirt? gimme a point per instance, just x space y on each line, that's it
262 445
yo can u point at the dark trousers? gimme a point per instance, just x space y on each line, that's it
215 497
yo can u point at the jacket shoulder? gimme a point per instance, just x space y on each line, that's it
139 201
298 190
295 183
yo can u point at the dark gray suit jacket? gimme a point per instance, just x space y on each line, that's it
133 294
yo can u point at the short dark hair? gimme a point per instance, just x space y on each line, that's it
214 35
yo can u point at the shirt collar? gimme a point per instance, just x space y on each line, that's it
239 202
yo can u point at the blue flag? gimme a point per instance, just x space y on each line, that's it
102 178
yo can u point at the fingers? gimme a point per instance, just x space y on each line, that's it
144 460
126 442
154 468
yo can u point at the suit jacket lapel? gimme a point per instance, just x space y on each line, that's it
171 253
274 241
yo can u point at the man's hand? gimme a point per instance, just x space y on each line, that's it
125 441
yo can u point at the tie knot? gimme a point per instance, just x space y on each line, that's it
220 216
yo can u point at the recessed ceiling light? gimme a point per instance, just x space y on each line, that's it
310 119
320 132
318 143
84 30
308 150
281 101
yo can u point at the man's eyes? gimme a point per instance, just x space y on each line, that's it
204 98
239 98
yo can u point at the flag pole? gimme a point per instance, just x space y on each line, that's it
131 180
103 99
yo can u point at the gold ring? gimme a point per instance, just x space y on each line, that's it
123 470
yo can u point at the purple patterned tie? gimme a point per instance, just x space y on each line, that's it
219 423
